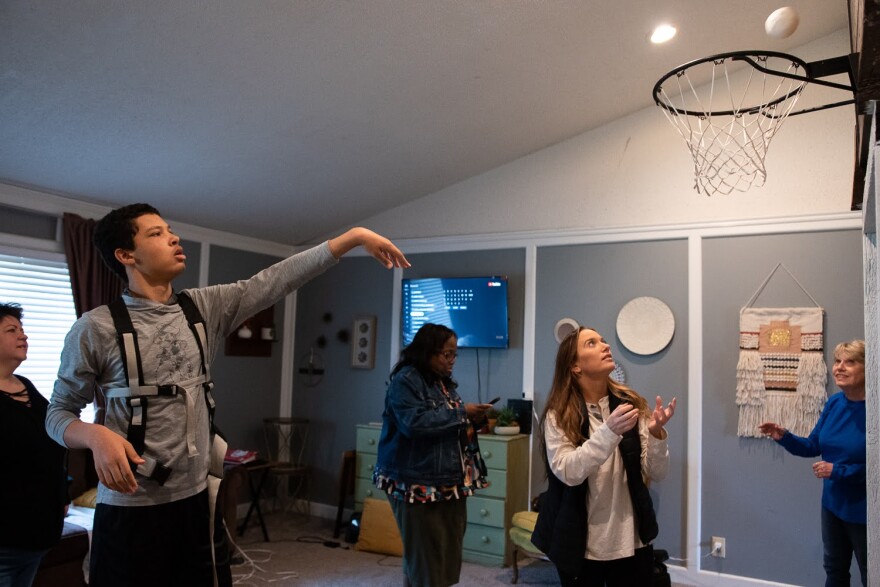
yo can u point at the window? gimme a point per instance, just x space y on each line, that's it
42 287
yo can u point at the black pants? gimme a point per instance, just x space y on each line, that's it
841 540
165 544
432 535
633 571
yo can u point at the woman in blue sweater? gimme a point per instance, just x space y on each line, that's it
839 437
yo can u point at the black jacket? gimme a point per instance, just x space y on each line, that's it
34 487
561 529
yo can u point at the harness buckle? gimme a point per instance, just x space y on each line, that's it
152 469
160 474
167 390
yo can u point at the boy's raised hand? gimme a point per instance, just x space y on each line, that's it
382 249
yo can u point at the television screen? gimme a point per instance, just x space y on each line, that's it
474 307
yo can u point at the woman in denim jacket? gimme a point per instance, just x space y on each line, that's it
428 460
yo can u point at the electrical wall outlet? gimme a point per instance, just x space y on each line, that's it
719 547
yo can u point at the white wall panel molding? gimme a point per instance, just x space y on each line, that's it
35 201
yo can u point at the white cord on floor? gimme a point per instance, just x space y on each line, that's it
254 567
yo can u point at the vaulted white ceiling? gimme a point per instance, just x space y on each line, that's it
286 119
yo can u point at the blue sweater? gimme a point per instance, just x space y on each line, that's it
839 436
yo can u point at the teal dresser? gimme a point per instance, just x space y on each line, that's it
489 510
367 444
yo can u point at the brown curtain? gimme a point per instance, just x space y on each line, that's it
93 284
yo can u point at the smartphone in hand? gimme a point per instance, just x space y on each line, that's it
494 400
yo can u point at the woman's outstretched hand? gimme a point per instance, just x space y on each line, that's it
659 417
772 429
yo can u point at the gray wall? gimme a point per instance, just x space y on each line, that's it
591 283
765 502
500 370
344 396
753 493
246 388
348 396
29 224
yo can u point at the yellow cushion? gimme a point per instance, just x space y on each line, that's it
523 539
379 531
87 499
525 520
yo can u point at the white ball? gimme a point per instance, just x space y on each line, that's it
782 22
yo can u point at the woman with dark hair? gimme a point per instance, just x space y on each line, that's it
428 460
34 504
839 439
603 444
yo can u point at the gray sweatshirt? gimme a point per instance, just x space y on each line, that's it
177 431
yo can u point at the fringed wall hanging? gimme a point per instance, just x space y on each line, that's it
781 373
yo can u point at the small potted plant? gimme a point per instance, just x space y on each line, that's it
506 423
491 419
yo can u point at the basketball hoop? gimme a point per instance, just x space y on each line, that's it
728 121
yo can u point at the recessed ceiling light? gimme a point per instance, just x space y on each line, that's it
663 33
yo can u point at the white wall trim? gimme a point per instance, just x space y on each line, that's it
16 251
710 579
204 265
35 201
26 199
396 302
694 403
529 326
288 357
539 238
32 244
529 329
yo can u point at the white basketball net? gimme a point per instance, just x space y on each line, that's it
728 149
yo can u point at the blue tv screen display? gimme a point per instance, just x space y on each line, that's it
474 307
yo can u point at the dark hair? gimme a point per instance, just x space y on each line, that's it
11 309
564 398
116 230
427 342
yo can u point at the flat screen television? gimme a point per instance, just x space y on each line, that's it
474 307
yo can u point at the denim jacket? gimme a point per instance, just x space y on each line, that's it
420 441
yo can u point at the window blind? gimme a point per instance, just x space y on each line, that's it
42 288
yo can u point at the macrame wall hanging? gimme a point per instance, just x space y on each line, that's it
781 373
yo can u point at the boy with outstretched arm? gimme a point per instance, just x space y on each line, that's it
150 355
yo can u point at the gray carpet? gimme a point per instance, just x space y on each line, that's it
296 555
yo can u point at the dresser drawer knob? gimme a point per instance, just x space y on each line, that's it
487 454
369 492
371 441
484 512
485 539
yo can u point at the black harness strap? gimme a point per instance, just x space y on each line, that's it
197 326
138 390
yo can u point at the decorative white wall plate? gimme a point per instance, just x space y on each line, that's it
645 325
564 327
